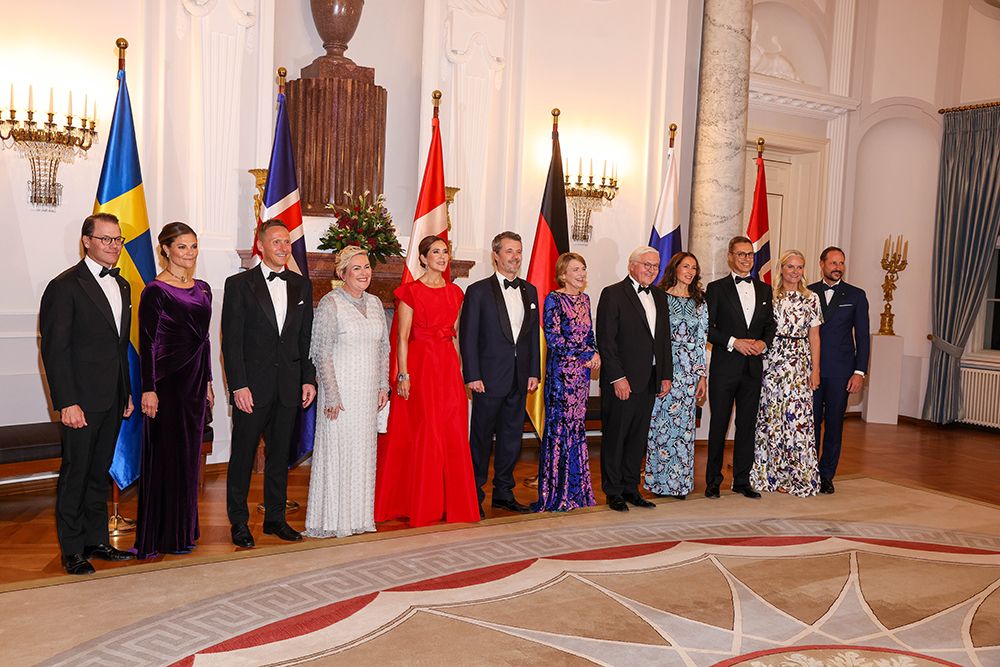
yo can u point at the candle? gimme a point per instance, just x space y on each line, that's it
85 100
579 170
31 98
70 112
899 245
51 105
11 97
604 170
885 249
591 168
906 248
94 117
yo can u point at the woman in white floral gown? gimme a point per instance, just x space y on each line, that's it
350 347
785 451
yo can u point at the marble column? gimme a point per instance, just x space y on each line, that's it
720 136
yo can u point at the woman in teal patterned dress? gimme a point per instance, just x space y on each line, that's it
670 448
785 452
563 460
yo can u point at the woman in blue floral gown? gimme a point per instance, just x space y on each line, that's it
785 452
670 448
563 459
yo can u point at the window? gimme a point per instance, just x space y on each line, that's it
991 306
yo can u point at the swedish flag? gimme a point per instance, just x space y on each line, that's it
120 193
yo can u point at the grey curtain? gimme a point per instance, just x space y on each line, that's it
965 231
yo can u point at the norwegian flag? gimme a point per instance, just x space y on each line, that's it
281 201
757 230
431 216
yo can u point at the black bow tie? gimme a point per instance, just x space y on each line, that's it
828 287
278 274
644 289
515 283
743 279
105 271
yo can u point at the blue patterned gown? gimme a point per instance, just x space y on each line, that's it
670 448
563 460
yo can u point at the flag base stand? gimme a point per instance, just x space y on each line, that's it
117 524
290 506
531 482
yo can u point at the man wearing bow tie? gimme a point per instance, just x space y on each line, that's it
633 339
84 320
498 337
741 328
843 358
267 315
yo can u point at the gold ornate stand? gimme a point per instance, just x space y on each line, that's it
893 262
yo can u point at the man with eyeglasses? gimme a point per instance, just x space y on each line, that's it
633 339
84 320
740 328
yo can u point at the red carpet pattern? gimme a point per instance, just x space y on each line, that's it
794 593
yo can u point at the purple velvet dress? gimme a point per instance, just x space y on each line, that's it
174 353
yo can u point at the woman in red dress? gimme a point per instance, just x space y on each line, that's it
426 472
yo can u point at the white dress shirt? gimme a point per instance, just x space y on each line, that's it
111 290
515 306
828 292
646 299
748 300
278 290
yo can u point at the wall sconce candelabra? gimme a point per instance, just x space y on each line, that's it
587 195
47 144
893 262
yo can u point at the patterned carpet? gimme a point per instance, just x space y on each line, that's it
877 575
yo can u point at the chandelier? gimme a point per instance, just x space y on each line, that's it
587 196
47 144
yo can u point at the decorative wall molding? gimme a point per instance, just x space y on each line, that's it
766 93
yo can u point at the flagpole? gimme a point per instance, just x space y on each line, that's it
673 134
760 147
117 524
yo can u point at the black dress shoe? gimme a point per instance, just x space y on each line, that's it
282 531
107 552
482 513
77 564
511 506
617 503
639 501
712 492
746 491
826 486
242 536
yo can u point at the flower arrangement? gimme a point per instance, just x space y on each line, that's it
363 222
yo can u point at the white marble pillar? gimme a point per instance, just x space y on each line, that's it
720 136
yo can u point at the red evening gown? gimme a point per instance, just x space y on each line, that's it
425 472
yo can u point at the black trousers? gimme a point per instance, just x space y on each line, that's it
276 422
723 392
503 417
829 406
82 492
624 432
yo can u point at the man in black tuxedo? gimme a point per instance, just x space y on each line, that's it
740 328
498 337
633 339
84 319
267 315
843 358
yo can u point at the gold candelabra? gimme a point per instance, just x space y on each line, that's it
45 145
586 194
893 262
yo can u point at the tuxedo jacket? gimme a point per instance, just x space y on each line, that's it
843 337
726 319
489 350
626 345
273 364
84 354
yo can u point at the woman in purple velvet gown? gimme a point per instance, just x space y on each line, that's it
174 352
563 459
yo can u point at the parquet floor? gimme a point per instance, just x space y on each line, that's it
956 460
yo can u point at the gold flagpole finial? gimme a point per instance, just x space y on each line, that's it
122 44
436 101
555 118
282 73
673 133
760 146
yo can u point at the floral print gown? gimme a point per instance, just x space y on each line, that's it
670 448
563 459
785 451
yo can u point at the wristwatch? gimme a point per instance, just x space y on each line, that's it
402 376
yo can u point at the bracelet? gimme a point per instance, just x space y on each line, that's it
402 376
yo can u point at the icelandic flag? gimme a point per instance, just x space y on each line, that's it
666 234
757 230
120 193
281 201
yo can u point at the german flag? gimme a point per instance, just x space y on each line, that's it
551 240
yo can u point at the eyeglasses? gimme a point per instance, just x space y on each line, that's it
649 266
744 255
109 240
